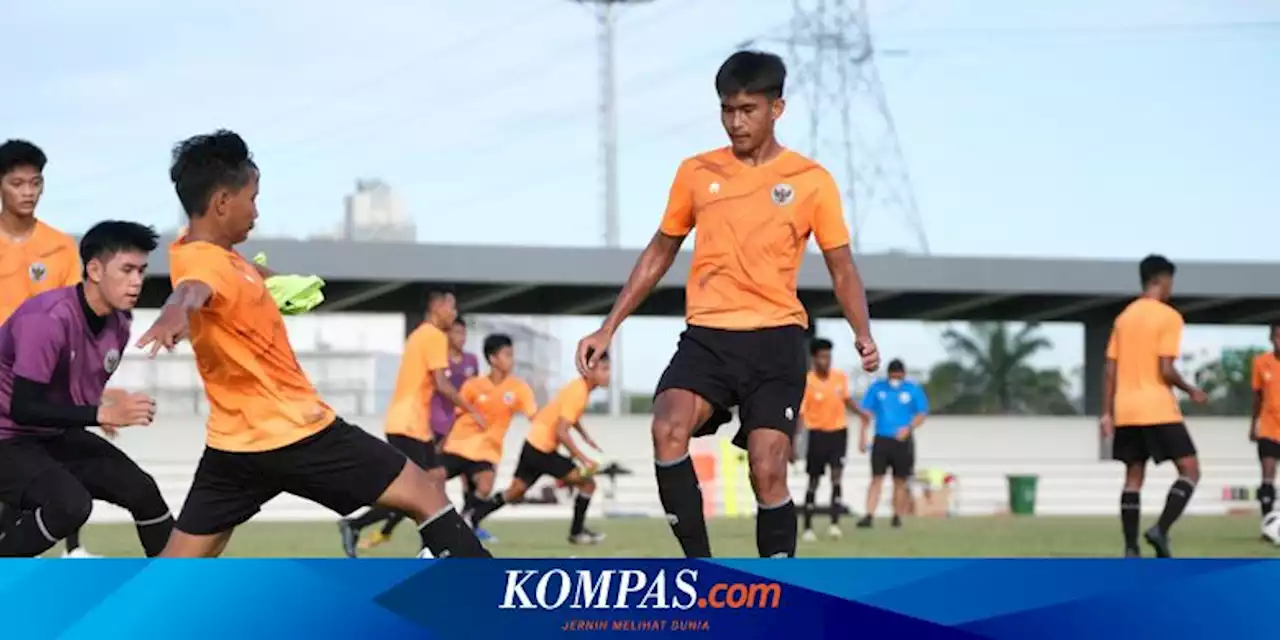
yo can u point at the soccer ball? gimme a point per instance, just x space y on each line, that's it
1271 527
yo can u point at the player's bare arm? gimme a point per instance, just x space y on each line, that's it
653 264
1174 378
1106 421
1256 415
445 388
562 434
173 325
852 295
864 422
586 437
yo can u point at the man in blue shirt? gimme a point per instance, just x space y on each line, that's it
898 407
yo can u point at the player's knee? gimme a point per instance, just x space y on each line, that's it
768 472
143 499
588 486
1189 468
670 434
64 516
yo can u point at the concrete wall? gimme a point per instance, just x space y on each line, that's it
981 451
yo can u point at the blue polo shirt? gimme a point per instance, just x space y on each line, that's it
894 407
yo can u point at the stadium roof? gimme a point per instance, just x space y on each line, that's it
367 276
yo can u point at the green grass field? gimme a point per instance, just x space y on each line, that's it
997 537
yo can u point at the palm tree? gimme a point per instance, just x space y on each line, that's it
989 372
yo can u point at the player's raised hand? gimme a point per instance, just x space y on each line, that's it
591 348
866 347
120 408
166 332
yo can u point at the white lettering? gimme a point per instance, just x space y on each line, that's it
515 589
657 591
685 578
541 592
632 582
587 590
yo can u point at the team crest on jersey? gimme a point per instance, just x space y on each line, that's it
783 194
904 397
37 271
509 398
111 361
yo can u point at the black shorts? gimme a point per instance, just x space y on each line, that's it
341 467
105 471
421 453
455 465
892 453
1157 443
826 449
1268 448
534 464
761 372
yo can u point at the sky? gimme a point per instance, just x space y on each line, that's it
1057 128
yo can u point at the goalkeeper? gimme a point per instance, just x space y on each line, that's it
541 454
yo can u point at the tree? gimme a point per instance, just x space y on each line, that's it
1228 381
988 372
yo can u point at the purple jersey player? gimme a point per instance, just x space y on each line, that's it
462 366
57 352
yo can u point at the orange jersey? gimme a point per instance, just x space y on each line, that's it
1146 331
568 405
1266 379
259 398
753 224
426 351
823 407
48 259
498 404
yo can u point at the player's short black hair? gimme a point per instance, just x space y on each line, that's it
819 344
752 72
108 238
205 163
495 342
434 294
20 153
896 366
460 322
1275 326
1154 266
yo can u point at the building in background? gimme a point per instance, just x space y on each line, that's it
374 213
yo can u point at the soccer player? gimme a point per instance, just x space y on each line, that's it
541 453
1139 408
473 451
57 352
898 407
268 430
462 367
34 257
824 414
754 204
423 374
1265 426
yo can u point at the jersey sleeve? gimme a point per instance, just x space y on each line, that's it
528 402
468 393
435 350
212 270
845 394
1257 374
678 218
573 402
1170 345
1113 349
921 399
870 399
38 344
829 227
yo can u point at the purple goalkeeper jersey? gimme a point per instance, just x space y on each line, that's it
442 410
48 340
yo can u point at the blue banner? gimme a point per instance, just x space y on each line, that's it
530 600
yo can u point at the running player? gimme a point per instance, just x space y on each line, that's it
1139 409
57 352
423 374
755 204
898 407
34 257
824 412
541 453
1265 426
268 430
462 367
473 451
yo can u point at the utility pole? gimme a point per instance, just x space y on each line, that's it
606 16
833 61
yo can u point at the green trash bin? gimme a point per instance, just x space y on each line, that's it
1022 495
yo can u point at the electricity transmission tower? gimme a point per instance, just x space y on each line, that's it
832 61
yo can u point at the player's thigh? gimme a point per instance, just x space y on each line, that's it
880 456
701 370
420 452
818 453
768 452
482 480
772 389
903 460
188 545
530 467
228 489
344 468
1268 453
453 466
22 460
1130 445
108 473
1173 442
